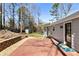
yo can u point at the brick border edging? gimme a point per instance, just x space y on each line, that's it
9 42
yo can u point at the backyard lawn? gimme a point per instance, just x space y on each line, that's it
35 34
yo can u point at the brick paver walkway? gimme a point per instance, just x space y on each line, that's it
37 47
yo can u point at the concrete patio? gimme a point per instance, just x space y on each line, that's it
37 47
33 46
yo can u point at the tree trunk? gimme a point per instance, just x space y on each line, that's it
13 15
1 16
4 16
21 23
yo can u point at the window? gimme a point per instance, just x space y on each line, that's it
53 28
61 27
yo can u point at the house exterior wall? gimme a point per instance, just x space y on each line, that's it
58 32
75 34
50 30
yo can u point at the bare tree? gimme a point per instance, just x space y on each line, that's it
4 15
0 16
22 11
59 9
13 11
66 8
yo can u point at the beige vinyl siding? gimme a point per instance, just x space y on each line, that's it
75 31
58 32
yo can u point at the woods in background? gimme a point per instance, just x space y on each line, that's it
19 16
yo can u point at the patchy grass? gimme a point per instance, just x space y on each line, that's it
35 35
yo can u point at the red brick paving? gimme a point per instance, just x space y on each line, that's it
33 47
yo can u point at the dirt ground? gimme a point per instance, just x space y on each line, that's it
6 34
